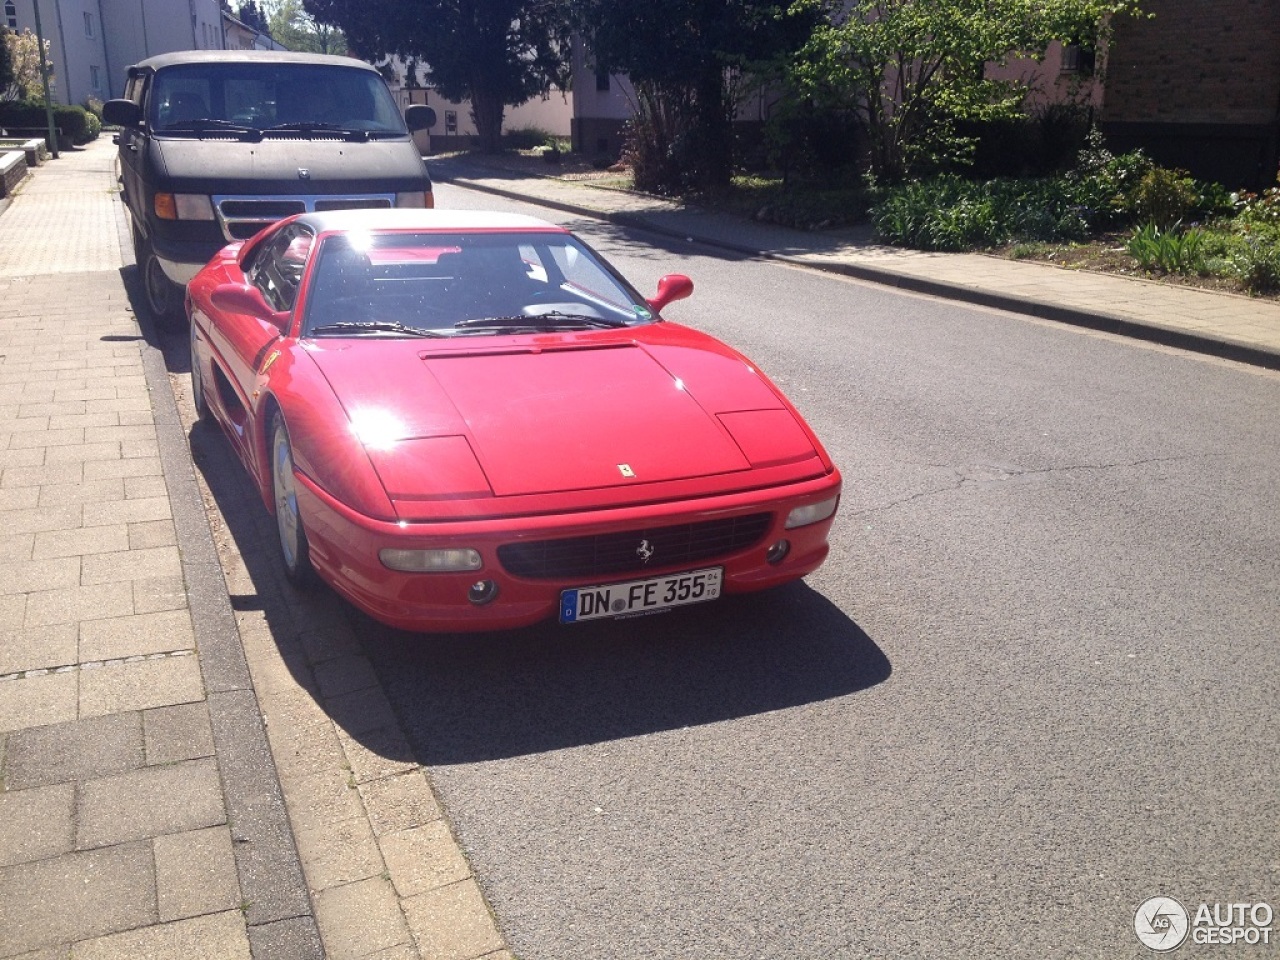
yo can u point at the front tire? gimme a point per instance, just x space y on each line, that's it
203 414
290 535
164 297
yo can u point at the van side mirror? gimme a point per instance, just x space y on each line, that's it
418 116
122 113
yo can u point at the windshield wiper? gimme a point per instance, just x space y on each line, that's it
308 126
373 326
210 123
552 320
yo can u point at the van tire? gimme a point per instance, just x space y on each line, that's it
164 297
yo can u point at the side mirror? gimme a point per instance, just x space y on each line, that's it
246 299
418 116
672 287
122 113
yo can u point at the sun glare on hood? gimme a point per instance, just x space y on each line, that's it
376 428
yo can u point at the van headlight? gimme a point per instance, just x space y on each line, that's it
416 198
183 206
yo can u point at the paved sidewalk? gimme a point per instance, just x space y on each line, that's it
1235 327
166 754
140 812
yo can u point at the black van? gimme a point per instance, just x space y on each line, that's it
216 144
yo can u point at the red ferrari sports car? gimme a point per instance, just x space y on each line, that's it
467 421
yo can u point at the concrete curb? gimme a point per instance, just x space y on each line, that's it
279 914
1093 320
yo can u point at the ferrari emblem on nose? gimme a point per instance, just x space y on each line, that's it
645 551
625 470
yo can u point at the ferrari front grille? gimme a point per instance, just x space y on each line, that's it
631 551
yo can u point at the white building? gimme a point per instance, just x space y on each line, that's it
454 128
93 42
601 107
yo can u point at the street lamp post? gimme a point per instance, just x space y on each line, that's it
44 79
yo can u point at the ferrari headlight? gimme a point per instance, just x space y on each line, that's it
430 561
813 513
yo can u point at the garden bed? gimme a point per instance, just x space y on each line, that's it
1108 254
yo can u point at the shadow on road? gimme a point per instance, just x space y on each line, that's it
469 698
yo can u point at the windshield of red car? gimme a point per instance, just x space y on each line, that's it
464 283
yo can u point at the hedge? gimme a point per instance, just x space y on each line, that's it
73 122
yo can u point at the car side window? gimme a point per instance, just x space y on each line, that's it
276 267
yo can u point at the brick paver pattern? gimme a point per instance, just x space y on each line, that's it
114 839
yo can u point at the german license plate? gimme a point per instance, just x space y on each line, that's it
640 596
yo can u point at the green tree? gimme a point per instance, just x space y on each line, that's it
251 15
7 74
686 59
295 29
495 53
909 68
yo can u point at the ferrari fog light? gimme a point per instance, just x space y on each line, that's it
482 591
777 552
430 561
813 513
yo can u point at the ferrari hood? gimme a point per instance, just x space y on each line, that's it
559 420
563 417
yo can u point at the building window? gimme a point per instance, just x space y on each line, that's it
1078 58
451 122
602 80
11 15
95 78
88 24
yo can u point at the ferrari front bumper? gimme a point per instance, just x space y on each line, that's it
345 550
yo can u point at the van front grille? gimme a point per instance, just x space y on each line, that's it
241 217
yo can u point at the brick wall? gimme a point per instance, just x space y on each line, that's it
1196 61
1198 86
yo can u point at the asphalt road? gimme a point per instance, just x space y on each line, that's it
1035 684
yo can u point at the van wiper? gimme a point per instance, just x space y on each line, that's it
356 328
202 124
309 127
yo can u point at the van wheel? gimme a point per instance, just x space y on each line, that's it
164 297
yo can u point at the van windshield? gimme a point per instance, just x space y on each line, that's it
284 96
